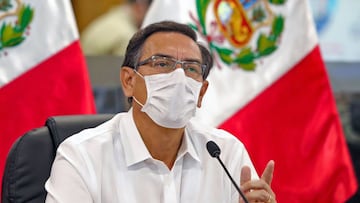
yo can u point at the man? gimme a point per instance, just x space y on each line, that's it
154 153
110 33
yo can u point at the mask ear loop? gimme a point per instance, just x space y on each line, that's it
137 101
134 96
139 74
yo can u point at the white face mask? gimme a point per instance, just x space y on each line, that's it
171 98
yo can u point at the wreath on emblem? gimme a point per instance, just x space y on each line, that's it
245 57
13 33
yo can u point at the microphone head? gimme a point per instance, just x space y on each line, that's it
213 149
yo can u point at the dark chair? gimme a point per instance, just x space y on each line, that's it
30 158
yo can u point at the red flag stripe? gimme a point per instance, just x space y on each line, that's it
58 85
295 123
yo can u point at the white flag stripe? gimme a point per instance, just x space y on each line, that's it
168 10
245 85
44 38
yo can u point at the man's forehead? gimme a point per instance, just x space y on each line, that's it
171 43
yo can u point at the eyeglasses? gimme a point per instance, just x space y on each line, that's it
164 64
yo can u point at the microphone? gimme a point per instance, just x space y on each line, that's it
215 151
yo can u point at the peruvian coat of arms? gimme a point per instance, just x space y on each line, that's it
15 18
234 25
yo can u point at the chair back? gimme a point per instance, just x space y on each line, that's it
30 158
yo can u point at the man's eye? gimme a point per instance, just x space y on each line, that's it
192 68
162 64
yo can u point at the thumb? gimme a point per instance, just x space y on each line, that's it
245 175
267 175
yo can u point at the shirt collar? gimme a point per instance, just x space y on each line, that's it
187 147
135 150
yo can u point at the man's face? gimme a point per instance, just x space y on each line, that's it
174 45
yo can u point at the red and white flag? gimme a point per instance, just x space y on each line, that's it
42 69
270 89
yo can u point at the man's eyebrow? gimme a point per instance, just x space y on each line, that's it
186 59
164 55
192 60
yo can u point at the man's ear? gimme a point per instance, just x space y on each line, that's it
202 92
127 79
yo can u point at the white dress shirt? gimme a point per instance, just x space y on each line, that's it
110 163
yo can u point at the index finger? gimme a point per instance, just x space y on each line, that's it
267 175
